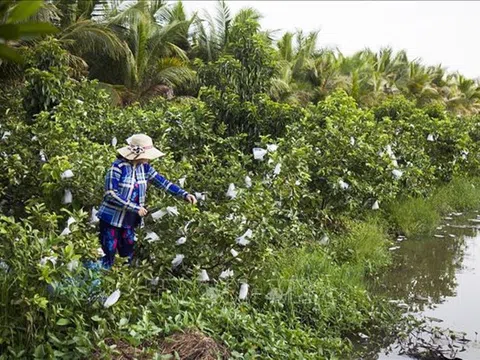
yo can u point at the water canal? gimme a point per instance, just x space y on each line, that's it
438 278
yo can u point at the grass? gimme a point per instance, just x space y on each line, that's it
420 216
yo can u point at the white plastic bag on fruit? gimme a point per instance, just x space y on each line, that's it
172 210
52 259
324 240
375 206
100 252
43 158
203 276
181 240
112 299
226 274
277 169
397 173
72 265
243 291
93 218
181 181
67 197
67 174
114 141
430 137
343 185
231 192
177 260
159 214
248 181
259 153
352 140
272 147
200 196
242 240
234 252
65 232
151 237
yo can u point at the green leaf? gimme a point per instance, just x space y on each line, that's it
9 32
8 53
63 322
24 10
35 29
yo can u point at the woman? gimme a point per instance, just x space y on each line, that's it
123 204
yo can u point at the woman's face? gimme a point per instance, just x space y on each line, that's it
140 161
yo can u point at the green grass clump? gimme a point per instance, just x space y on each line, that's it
414 216
364 244
458 195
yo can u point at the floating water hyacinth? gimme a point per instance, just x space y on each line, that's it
243 291
93 218
231 192
226 274
112 299
259 153
72 265
181 240
100 252
277 169
151 237
172 210
65 232
200 196
248 181
203 276
67 197
159 214
272 147
242 240
397 173
343 185
114 141
430 137
375 206
181 181
234 252
177 260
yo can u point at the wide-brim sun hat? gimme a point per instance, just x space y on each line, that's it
140 147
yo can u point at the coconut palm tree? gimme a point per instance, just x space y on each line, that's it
154 34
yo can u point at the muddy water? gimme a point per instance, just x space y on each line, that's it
439 277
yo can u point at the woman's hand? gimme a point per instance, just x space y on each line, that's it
142 212
191 199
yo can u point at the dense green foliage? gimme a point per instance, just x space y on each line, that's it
317 205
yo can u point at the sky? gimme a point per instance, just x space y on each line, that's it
437 32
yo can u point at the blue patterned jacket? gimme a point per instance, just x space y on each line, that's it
119 183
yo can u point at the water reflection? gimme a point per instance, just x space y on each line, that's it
438 277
